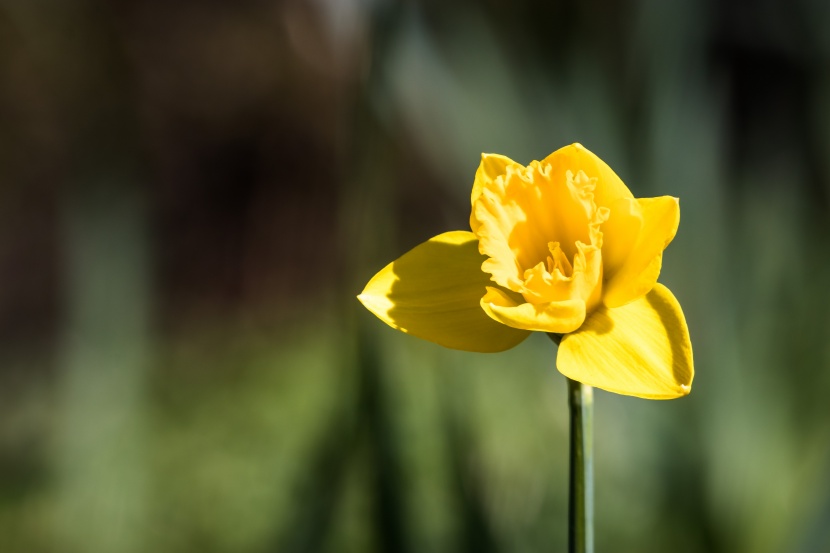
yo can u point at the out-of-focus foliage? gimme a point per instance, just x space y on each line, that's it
192 193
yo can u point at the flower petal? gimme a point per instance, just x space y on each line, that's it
558 317
577 157
638 272
641 349
620 233
491 166
433 292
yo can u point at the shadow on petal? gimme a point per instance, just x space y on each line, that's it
673 320
433 292
641 349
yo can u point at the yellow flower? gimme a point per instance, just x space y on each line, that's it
560 246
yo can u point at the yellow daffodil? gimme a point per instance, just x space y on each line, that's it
560 246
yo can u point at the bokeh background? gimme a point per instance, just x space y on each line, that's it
193 192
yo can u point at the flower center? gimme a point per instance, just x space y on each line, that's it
540 228
561 276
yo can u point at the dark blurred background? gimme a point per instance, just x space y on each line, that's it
192 193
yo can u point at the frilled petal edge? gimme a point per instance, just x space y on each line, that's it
576 157
641 349
491 167
433 292
557 317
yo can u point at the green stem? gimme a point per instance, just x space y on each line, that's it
581 493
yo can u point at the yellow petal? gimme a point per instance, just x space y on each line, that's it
638 271
619 233
577 157
433 292
558 317
491 166
641 349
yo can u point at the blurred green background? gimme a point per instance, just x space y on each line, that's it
192 193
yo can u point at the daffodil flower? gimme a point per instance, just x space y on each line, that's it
560 246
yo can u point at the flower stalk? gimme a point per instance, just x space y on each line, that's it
581 490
